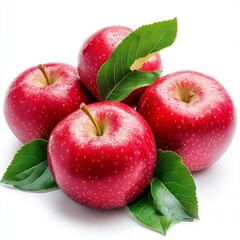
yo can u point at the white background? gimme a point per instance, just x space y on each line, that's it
208 41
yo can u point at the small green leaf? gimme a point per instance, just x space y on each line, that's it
171 196
29 169
177 179
166 203
144 211
130 55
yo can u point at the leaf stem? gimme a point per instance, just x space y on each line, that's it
85 109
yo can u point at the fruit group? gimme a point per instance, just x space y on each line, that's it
192 114
106 170
40 97
95 52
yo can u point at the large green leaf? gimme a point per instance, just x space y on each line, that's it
129 56
144 211
177 179
29 169
166 203
171 196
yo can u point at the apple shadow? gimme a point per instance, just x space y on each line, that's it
208 181
214 170
89 217
16 145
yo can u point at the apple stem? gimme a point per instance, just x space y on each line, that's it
85 109
41 67
189 96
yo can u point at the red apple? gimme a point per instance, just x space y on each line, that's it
102 169
192 114
40 97
95 52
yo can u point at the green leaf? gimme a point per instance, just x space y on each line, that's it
178 180
166 203
124 88
144 211
29 169
171 196
130 55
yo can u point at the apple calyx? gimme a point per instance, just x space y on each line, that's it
187 94
47 79
85 109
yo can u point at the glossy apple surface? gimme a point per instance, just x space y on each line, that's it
190 113
95 52
106 171
33 107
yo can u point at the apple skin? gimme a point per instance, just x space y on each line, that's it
96 50
108 171
201 130
33 109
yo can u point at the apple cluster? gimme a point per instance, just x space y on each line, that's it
103 154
